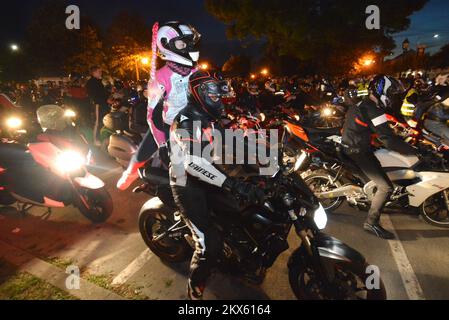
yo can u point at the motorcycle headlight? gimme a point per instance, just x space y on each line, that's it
320 218
327 112
69 161
69 113
14 123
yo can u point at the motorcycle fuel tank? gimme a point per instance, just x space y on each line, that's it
391 159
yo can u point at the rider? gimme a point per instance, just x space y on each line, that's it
178 44
250 98
362 120
193 175
437 116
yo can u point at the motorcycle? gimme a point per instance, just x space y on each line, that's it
415 184
430 147
322 267
42 174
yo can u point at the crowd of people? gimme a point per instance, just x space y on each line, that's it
181 95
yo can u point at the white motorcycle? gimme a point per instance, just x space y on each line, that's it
414 185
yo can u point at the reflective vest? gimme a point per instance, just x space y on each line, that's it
408 109
362 90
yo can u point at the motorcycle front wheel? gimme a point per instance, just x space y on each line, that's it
95 205
349 282
434 210
170 246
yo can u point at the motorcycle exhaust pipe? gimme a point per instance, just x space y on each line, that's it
340 192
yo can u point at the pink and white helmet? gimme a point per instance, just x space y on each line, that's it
178 42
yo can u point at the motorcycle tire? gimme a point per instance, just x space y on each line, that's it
99 205
345 273
323 175
428 215
154 222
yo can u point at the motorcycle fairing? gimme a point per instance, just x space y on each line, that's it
43 153
391 159
89 181
431 183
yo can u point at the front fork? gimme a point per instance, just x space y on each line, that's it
325 271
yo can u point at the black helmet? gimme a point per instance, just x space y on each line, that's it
206 90
385 89
253 87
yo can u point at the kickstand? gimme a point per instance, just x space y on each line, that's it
46 214
23 209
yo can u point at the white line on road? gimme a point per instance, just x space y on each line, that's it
409 279
133 267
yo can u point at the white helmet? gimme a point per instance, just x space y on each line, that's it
179 43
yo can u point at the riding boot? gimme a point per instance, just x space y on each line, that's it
130 175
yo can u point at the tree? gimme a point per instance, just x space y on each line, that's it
441 58
237 66
128 39
326 35
90 51
52 49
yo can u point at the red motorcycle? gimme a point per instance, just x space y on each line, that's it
52 173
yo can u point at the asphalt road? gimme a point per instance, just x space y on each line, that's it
413 267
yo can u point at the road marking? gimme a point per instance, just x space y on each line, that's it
409 279
133 267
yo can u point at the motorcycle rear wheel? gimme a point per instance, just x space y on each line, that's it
434 211
153 223
349 282
319 181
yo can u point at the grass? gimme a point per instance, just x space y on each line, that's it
60 262
124 290
24 286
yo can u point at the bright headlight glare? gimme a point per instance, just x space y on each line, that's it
327 112
69 113
320 218
69 161
14 123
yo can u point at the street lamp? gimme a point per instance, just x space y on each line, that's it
367 62
145 61
204 66
253 76
14 47
264 72
436 36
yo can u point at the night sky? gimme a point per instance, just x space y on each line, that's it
14 18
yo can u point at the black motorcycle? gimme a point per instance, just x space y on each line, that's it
254 236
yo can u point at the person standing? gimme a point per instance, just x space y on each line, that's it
99 97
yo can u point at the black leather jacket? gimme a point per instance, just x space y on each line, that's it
365 119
